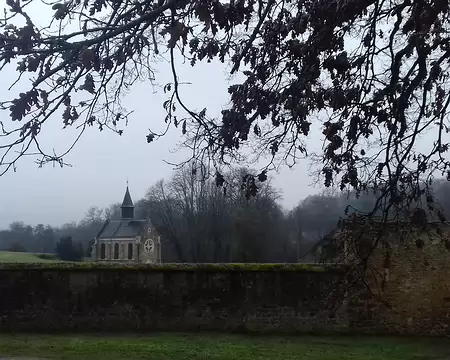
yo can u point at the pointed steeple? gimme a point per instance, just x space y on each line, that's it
127 206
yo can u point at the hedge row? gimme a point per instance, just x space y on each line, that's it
222 267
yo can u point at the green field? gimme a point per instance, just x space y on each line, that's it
22 257
219 347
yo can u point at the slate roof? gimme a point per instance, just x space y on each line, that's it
121 229
127 202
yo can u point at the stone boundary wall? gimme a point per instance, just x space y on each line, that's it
409 296
261 298
273 298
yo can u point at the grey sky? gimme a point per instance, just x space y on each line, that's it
103 161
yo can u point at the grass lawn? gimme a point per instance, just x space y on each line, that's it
21 257
220 347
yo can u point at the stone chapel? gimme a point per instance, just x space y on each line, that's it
128 239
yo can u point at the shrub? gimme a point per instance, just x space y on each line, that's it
66 250
88 251
47 256
17 247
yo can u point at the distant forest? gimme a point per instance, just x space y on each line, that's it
200 222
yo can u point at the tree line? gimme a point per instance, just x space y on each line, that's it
201 222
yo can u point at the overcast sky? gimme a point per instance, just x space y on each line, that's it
103 161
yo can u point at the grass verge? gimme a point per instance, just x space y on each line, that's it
10 257
218 347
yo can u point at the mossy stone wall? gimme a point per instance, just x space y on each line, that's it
413 297
410 295
261 298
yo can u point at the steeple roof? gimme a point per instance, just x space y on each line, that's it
127 202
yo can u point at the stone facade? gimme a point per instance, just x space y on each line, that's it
410 287
406 289
128 239
144 248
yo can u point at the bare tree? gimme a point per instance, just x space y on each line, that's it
94 216
112 212
374 71
192 212
164 215
202 223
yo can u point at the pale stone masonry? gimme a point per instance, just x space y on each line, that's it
128 239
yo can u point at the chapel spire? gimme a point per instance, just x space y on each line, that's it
127 206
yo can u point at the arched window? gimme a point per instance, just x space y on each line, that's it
116 251
130 251
102 251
